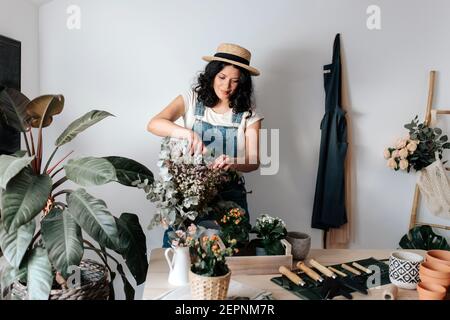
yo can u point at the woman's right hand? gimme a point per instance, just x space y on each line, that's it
195 143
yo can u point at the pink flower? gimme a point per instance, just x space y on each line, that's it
403 153
387 154
412 146
404 164
391 163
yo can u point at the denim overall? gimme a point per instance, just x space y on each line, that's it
233 191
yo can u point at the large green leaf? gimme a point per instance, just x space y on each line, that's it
127 287
24 197
133 245
423 237
9 274
13 105
80 125
90 171
14 244
128 170
93 216
10 166
62 239
40 275
42 109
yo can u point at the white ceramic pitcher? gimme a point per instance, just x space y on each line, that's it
179 265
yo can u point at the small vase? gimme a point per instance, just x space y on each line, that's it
209 288
260 251
179 265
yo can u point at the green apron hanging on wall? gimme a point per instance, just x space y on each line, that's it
329 200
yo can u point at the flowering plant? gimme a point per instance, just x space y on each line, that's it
185 187
270 230
208 255
418 149
181 237
234 225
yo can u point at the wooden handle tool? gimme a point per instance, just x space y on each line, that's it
337 272
310 272
352 270
362 268
322 269
291 276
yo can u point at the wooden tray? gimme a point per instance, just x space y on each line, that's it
260 264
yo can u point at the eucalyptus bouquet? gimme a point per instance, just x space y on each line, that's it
270 230
186 185
417 150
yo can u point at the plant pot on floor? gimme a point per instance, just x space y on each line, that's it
209 288
94 285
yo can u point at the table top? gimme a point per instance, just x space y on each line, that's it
158 273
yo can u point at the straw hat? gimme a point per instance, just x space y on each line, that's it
234 54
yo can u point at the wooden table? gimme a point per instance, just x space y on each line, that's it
158 272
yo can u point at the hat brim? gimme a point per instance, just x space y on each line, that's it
253 71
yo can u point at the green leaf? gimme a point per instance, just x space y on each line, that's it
15 244
127 287
90 171
81 124
62 239
40 275
128 170
13 105
438 131
24 197
446 145
92 215
10 166
9 274
443 138
133 245
423 237
19 154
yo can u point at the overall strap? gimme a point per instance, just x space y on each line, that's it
199 110
237 118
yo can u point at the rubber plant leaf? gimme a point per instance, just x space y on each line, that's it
128 171
14 244
62 239
10 166
43 108
90 171
39 275
81 124
13 106
24 197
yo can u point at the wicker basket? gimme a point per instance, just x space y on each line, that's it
209 288
94 285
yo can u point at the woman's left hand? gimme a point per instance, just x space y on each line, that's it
222 162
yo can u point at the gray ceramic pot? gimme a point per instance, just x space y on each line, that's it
301 243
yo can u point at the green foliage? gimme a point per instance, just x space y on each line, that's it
28 189
430 141
270 230
423 237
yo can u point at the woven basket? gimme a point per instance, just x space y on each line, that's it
209 288
94 285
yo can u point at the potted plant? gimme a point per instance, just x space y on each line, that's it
209 274
42 225
269 232
234 225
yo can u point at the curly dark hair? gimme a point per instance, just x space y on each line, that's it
240 101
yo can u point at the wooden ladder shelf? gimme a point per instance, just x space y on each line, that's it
413 220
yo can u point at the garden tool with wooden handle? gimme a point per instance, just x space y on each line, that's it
343 278
291 276
330 287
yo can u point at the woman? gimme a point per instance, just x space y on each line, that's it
219 113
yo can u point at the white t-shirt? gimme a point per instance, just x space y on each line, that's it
218 119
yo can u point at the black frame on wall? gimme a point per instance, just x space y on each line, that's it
10 76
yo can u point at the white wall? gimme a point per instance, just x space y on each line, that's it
19 20
133 57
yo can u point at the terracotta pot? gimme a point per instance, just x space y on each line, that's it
439 256
429 270
431 291
425 278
